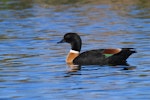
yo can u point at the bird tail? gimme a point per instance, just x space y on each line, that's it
121 57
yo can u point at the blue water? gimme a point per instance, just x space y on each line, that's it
32 64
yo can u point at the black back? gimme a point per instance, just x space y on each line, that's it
97 57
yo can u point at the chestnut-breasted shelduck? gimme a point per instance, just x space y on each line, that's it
94 57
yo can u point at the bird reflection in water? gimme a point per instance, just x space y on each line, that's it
73 68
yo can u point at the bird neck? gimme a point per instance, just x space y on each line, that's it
76 45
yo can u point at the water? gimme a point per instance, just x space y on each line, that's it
32 64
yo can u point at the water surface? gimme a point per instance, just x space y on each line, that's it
32 64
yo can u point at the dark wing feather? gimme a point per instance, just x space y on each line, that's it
99 57
92 57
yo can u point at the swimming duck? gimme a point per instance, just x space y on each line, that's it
116 56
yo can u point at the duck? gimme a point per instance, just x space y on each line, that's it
110 56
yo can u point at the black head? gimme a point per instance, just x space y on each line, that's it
74 39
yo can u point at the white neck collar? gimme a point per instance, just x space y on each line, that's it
73 51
